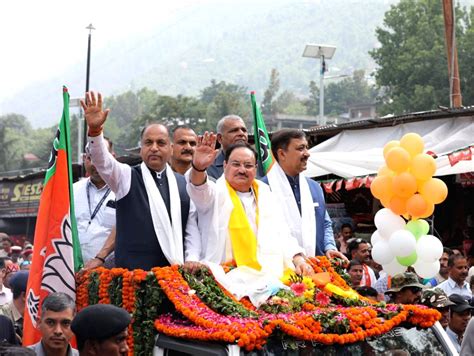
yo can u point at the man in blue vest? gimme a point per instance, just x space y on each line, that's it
152 206
301 197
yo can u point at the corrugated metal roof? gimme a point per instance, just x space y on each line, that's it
333 129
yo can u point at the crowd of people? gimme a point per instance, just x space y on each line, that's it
450 291
190 203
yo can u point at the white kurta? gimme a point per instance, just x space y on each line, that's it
275 246
92 233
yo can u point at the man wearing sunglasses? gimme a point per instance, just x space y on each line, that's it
405 289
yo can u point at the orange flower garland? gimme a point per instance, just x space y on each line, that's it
82 292
199 322
105 277
128 303
246 331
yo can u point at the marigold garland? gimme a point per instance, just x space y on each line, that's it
196 320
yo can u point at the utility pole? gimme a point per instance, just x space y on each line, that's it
90 28
455 98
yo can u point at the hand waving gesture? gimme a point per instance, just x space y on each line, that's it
205 152
93 113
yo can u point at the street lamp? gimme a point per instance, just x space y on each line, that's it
322 52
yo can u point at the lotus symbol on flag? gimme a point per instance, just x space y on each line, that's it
58 276
32 301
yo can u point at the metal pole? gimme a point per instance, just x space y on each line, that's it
322 121
90 28
455 97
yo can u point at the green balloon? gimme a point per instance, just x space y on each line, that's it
418 227
408 260
425 227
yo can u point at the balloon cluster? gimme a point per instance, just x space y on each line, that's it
405 186
397 245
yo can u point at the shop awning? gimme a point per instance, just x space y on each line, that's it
354 153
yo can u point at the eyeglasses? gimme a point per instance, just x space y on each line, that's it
247 165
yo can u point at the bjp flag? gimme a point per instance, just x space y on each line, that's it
56 255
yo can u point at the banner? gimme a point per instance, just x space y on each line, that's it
55 258
20 198
262 141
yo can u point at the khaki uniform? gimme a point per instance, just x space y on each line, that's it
11 312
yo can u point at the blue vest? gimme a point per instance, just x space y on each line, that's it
320 212
136 244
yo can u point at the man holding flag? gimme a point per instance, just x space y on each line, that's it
57 255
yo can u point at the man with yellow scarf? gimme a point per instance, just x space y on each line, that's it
241 217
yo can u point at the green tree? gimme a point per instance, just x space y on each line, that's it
224 99
412 57
14 129
270 93
312 104
347 92
466 60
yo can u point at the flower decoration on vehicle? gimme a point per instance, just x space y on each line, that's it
195 306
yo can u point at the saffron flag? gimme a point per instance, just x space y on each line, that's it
262 142
56 255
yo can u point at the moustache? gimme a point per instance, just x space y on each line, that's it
184 152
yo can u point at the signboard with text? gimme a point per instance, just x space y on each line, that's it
20 198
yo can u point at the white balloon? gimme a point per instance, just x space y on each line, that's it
402 243
429 248
388 222
394 268
426 269
376 237
381 252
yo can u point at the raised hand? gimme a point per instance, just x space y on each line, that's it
95 116
205 152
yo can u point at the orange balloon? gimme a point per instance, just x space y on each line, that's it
416 205
384 171
413 143
385 202
388 146
428 212
398 205
404 185
434 190
423 166
398 159
381 187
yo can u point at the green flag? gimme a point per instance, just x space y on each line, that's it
262 141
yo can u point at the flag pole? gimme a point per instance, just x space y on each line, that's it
90 28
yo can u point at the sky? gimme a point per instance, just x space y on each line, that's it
41 38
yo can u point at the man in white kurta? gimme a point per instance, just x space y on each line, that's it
275 248
95 212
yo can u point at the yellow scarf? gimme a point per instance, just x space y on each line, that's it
242 236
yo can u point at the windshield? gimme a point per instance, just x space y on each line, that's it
399 341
